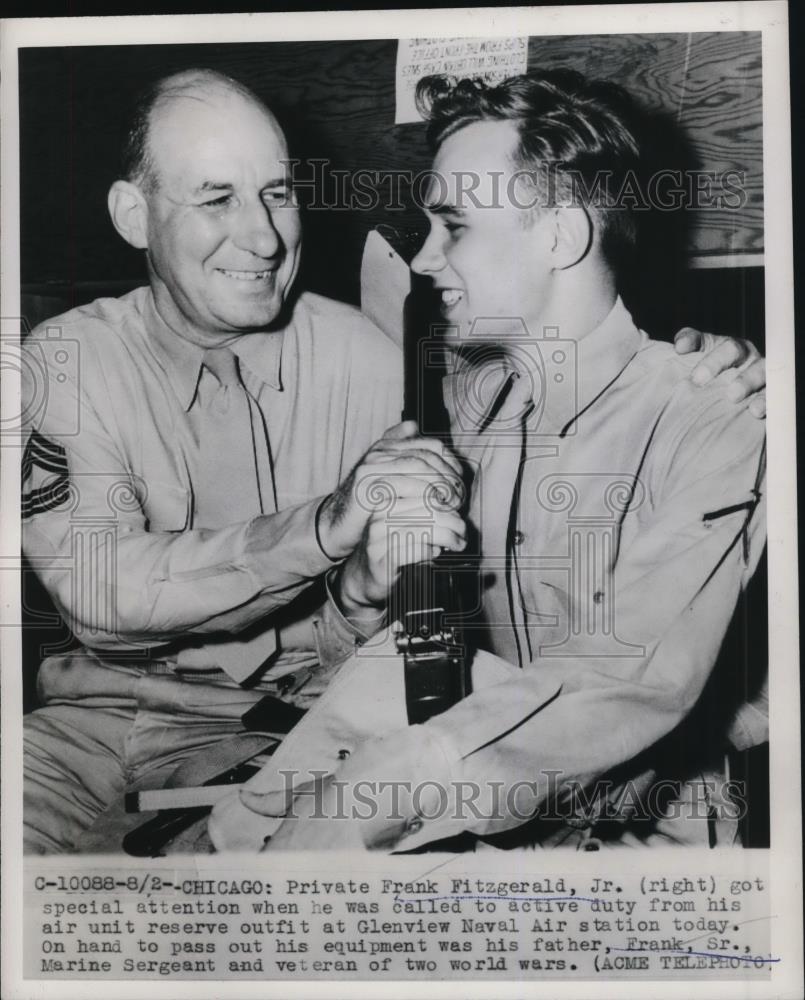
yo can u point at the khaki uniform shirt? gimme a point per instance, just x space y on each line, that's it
109 397
636 518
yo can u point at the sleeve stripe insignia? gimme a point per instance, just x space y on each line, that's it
40 453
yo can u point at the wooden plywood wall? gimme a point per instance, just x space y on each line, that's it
337 100
708 85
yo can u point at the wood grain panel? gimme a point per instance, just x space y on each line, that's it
708 86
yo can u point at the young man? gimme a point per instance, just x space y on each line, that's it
619 510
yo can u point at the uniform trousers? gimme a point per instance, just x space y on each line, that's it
105 730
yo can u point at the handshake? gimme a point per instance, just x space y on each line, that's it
400 505
404 503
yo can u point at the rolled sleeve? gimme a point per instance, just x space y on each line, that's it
417 803
336 636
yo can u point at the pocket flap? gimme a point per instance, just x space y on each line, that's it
167 507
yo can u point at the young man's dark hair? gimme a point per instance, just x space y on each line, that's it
579 140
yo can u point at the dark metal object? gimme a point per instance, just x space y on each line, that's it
432 648
427 600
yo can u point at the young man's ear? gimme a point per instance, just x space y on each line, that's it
573 235
129 211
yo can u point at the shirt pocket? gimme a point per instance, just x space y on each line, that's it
167 507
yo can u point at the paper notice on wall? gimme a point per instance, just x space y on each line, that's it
492 59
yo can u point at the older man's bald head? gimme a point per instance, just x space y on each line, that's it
138 161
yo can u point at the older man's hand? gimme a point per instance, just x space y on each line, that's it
727 354
399 506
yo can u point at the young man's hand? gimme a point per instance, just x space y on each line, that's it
723 354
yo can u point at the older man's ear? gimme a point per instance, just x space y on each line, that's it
721 354
129 213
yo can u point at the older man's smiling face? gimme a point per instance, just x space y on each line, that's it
223 228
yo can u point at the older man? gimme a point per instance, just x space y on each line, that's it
620 513
186 530
193 492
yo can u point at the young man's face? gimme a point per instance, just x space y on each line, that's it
486 253
223 230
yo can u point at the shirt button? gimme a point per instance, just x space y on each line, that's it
414 825
343 753
519 538
598 596
284 684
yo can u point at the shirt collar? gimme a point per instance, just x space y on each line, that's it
259 353
604 353
572 375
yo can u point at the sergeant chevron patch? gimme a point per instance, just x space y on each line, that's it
45 478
